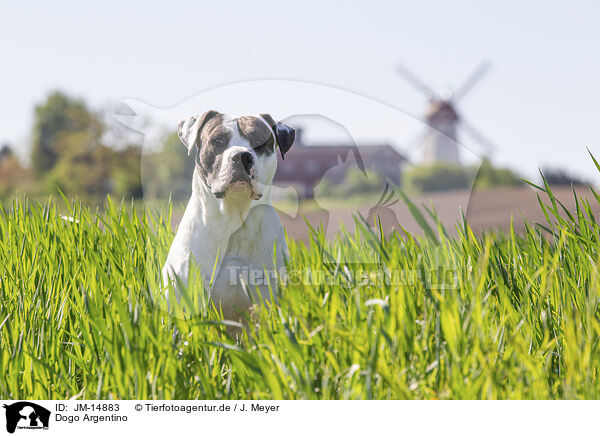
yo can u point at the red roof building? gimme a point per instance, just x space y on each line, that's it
306 165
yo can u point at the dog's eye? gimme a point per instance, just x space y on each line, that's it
260 147
219 140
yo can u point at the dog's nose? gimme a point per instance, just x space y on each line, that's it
247 160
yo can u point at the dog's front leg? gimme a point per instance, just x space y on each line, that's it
200 243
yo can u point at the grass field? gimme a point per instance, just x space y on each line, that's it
473 316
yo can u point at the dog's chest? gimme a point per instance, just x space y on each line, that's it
254 252
253 243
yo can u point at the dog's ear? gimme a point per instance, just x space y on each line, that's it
284 133
189 129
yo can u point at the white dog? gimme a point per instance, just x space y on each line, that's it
229 225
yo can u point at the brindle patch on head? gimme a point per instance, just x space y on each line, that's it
213 140
258 134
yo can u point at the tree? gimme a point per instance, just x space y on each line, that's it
80 152
126 172
560 176
489 176
13 175
437 177
55 119
6 151
355 182
169 171
82 171
442 177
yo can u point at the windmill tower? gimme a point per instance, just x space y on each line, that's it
440 141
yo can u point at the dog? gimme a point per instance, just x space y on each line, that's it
230 230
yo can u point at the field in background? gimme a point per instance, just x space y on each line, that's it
461 315
486 209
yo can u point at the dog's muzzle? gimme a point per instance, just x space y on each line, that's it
241 177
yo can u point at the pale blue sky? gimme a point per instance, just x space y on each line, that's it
539 103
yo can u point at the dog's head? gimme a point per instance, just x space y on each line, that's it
235 154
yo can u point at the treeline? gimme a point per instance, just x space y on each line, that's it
86 154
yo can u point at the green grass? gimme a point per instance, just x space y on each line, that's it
474 316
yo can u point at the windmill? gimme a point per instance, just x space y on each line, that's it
440 139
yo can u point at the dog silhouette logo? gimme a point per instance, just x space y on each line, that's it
26 415
383 211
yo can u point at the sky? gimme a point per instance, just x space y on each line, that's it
538 103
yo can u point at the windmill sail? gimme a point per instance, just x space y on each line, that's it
440 143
